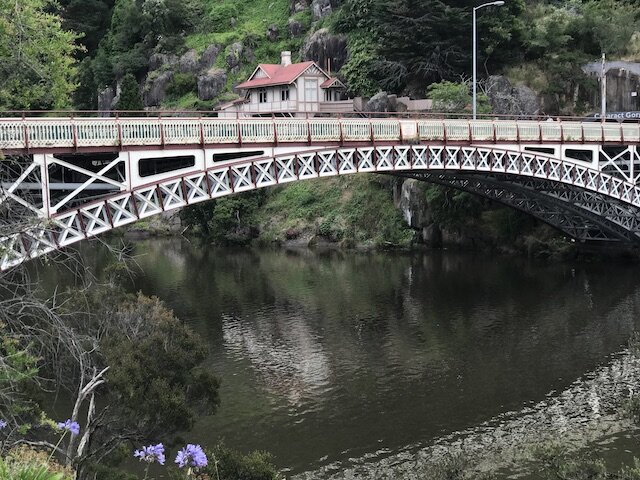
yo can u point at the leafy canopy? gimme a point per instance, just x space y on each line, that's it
37 63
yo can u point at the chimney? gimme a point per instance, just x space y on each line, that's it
285 58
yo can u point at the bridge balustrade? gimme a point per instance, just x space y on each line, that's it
111 132
325 130
220 131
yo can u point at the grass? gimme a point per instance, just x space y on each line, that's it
352 209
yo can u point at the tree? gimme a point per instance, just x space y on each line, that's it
453 97
37 63
88 18
130 96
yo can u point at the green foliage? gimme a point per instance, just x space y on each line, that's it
425 42
140 27
227 221
228 464
155 381
452 208
23 463
600 15
18 370
355 210
456 98
182 84
86 95
220 15
359 70
88 18
27 472
37 63
130 95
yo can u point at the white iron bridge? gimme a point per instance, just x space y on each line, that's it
67 179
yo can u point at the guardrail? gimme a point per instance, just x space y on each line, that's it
76 133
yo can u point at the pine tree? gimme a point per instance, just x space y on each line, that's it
130 96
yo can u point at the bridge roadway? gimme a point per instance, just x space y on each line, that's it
49 135
67 179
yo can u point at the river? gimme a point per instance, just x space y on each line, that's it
333 360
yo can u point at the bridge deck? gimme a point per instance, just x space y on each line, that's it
86 134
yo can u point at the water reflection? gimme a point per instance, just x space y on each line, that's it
330 355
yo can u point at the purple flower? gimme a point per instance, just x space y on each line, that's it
151 453
73 427
191 456
3 424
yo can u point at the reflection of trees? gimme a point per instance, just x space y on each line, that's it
414 316
289 359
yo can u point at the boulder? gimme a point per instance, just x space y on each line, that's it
321 8
209 57
273 33
296 6
155 88
211 84
234 58
378 103
326 48
238 53
296 28
106 99
412 202
160 60
509 100
189 62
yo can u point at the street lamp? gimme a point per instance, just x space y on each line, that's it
499 3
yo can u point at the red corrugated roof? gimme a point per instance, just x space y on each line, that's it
279 75
331 82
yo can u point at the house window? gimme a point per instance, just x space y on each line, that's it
262 95
284 93
311 90
328 95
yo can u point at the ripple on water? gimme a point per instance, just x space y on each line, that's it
584 413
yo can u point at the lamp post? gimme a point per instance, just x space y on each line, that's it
499 3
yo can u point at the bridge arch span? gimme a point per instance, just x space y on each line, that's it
138 198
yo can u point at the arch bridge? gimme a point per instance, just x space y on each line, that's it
67 179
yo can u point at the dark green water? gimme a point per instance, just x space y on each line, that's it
329 356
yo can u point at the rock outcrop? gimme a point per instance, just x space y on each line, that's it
321 8
210 56
106 99
326 49
155 88
211 83
189 62
509 100
296 28
273 33
296 6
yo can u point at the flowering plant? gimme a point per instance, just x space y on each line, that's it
70 426
150 454
191 456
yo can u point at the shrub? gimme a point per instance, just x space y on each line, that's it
182 84
228 464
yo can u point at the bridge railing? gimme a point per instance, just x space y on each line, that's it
84 132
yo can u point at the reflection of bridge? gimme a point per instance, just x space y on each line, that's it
66 179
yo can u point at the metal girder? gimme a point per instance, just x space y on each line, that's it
55 200
535 197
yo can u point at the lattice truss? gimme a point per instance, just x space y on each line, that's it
582 215
49 202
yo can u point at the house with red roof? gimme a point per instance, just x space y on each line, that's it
290 89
